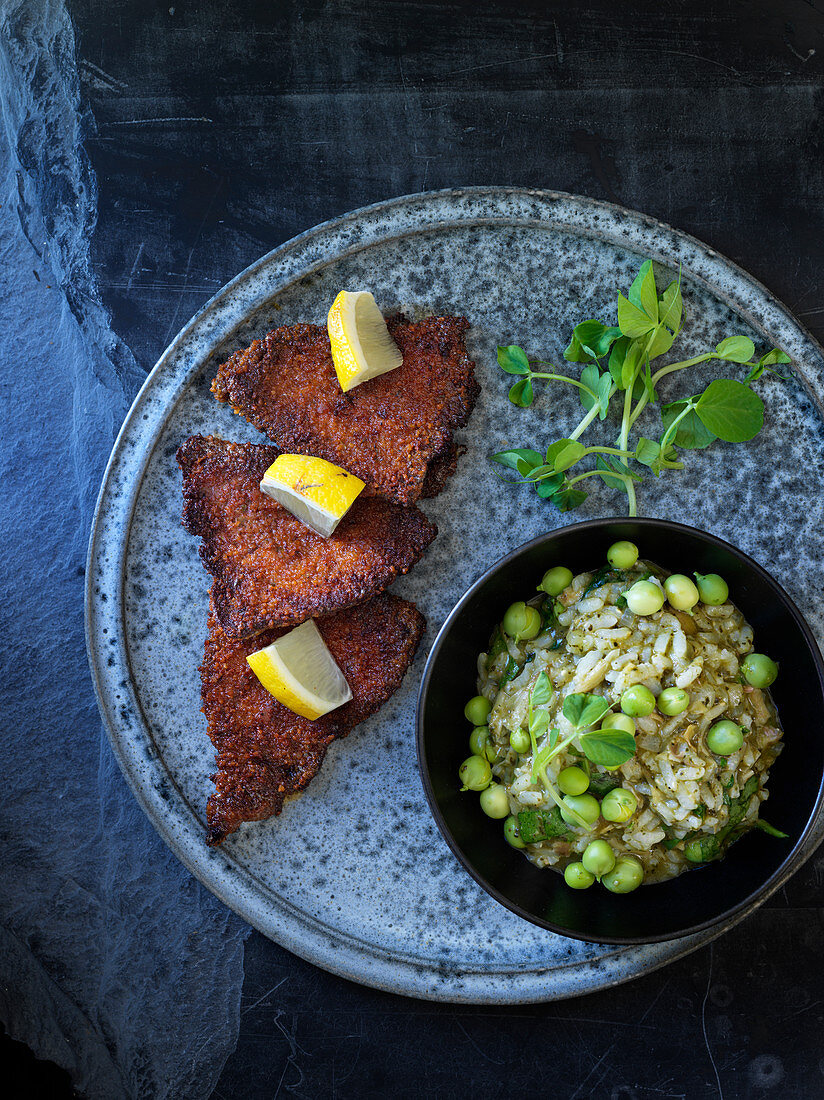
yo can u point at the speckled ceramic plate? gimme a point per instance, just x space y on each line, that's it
353 875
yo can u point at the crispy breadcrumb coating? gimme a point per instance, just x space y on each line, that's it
270 569
265 752
394 431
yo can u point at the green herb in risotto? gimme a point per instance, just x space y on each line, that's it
623 741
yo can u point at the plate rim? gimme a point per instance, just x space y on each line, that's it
333 951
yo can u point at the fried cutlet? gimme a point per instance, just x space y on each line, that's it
271 570
394 431
265 751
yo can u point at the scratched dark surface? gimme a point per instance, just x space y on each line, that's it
223 130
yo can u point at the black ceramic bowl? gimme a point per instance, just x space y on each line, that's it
702 897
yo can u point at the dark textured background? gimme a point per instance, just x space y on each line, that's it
220 130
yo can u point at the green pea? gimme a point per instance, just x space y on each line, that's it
724 738
578 877
495 801
712 589
522 622
619 722
512 834
598 858
477 710
673 701
619 805
638 701
681 592
759 670
478 740
622 555
475 774
573 780
584 805
645 598
556 580
694 851
625 876
519 740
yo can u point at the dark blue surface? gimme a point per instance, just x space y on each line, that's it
104 938
216 131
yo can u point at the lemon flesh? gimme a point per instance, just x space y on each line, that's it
301 673
361 345
315 491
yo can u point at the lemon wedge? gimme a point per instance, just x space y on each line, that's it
315 491
301 673
361 345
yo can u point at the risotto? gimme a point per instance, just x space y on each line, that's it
623 727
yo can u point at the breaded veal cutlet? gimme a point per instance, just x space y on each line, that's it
394 431
265 752
269 569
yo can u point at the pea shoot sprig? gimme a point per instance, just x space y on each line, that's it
607 747
617 360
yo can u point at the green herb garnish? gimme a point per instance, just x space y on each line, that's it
617 360
537 825
605 747
705 848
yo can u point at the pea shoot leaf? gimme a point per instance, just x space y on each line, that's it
522 459
542 691
671 307
649 388
691 433
604 394
632 361
590 340
574 353
538 473
632 321
513 360
538 723
541 757
567 500
730 410
521 394
548 487
643 295
590 376
774 355
570 454
582 710
616 360
768 360
608 747
588 334
648 453
610 468
600 384
736 349
554 449
661 342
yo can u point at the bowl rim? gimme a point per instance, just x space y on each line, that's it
753 899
